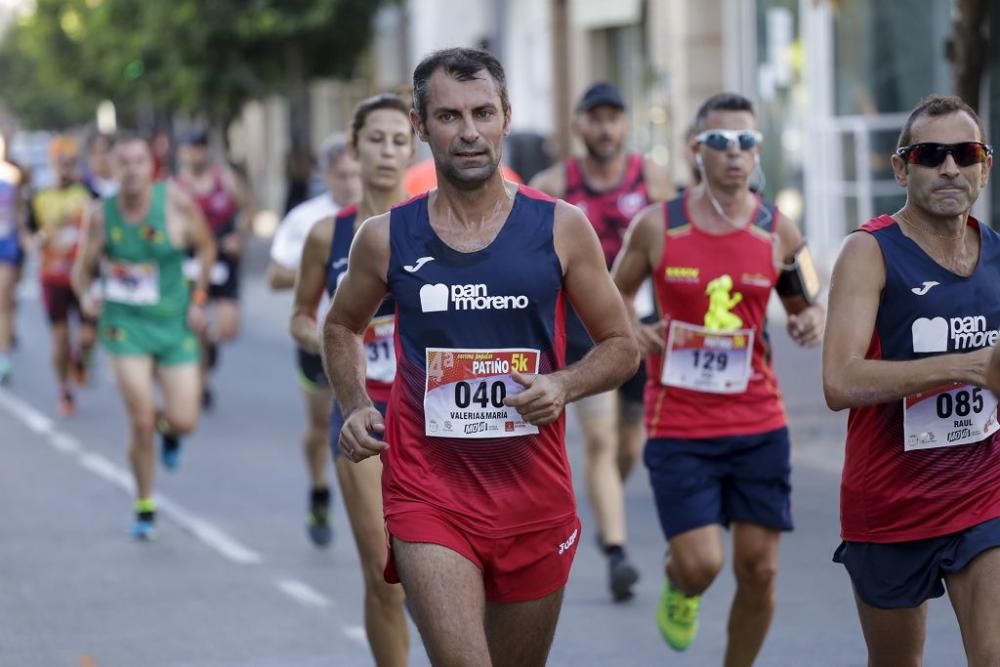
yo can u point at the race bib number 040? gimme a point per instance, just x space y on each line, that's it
715 362
948 417
380 349
466 388
132 284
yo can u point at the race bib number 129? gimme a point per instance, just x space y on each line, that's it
715 362
466 388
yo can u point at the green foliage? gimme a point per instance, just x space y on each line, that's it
150 57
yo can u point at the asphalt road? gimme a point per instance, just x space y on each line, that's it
233 581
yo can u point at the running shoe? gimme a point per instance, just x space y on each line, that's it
622 576
207 399
677 617
170 445
144 526
320 531
67 405
81 369
5 372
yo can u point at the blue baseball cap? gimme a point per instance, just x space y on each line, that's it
600 94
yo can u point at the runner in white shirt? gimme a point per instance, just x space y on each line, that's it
342 176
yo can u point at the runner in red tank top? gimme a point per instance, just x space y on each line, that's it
228 209
610 186
718 449
477 490
914 310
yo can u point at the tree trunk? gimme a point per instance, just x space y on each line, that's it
967 48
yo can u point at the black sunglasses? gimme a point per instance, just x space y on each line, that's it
928 154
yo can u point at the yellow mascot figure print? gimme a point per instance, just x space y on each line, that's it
718 316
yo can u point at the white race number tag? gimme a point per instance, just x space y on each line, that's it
466 389
132 284
948 417
381 350
715 362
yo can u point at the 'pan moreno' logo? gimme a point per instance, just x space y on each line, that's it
964 333
438 297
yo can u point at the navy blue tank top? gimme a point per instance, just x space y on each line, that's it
935 470
464 322
378 338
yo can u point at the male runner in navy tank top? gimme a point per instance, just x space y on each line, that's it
914 309
477 488
610 185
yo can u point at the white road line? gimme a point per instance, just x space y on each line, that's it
305 594
209 534
104 468
226 546
65 443
355 632
31 417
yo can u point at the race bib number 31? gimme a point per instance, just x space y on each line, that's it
380 349
949 416
716 362
466 389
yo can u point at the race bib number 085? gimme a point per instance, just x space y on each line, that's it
948 417
466 388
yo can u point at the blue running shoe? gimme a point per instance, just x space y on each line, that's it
144 527
170 446
320 531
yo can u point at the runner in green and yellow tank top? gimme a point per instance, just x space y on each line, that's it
146 295
149 318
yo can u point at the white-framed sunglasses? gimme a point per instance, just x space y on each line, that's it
721 140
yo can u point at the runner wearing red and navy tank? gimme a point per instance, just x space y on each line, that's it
382 142
610 185
228 208
476 485
221 212
945 477
458 455
379 338
718 447
914 311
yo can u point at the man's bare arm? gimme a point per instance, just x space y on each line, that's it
279 278
805 320
615 355
658 183
640 253
196 234
91 250
309 285
551 181
238 189
850 380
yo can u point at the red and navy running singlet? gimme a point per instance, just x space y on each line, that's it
714 377
928 465
217 205
380 360
609 212
464 323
